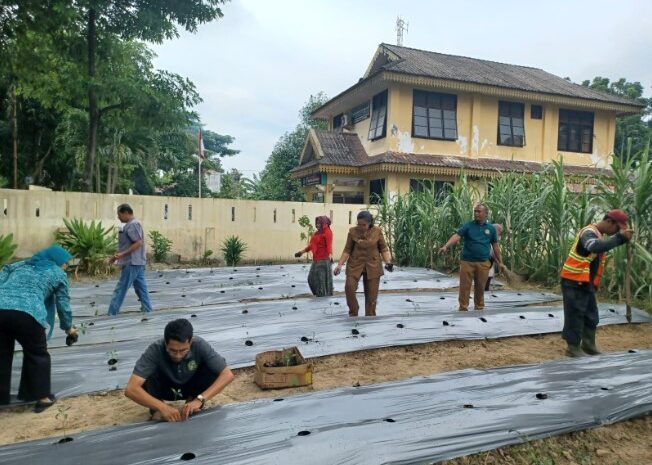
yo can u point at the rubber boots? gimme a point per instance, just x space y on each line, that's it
588 341
574 351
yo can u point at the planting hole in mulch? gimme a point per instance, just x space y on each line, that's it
97 285
112 361
408 300
494 295
400 325
64 440
542 396
249 342
446 323
183 295
295 308
245 311
304 339
92 304
230 277
294 285
188 456
612 310
257 269
414 280
222 291
257 276
384 282
522 317
518 293
438 280
551 315
199 280
91 324
303 433
604 388
389 420
632 351
442 298
355 332
336 303
160 276
260 288
113 368
483 319
167 282
278 399
468 406
193 316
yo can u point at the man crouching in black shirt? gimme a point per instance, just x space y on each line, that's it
177 367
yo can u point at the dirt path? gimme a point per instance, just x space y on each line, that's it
601 445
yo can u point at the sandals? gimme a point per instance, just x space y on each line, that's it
42 406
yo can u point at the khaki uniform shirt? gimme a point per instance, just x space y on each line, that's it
364 250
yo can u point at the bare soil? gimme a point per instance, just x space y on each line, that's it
626 443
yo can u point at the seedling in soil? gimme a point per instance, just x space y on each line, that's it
355 332
62 418
113 359
249 342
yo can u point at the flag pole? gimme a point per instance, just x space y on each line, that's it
200 158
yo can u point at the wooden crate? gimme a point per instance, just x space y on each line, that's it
282 377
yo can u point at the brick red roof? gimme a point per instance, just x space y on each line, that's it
345 149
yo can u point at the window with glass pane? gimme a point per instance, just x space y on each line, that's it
376 190
434 115
575 131
377 127
511 130
337 121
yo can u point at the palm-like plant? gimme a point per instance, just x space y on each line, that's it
233 249
7 248
91 243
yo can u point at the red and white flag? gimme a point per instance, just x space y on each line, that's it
201 146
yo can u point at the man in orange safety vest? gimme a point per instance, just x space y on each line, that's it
580 277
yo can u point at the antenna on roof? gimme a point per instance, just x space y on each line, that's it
400 27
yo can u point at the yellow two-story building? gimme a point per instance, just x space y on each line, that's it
419 117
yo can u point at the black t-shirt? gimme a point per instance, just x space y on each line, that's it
156 358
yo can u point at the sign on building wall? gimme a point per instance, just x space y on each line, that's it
314 179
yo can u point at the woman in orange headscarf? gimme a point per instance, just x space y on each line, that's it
320 278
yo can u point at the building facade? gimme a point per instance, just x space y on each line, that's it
419 118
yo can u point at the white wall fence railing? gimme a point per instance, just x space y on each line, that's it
270 229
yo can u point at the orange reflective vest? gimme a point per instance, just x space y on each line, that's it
577 267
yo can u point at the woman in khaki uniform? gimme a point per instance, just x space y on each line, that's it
362 255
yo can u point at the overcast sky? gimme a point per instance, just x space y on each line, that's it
255 67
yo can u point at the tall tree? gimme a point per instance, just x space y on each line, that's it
636 127
275 182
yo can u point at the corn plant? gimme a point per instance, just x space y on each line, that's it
541 214
233 249
90 243
161 245
7 248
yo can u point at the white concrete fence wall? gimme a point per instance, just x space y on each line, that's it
270 229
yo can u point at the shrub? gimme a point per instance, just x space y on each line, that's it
7 248
90 243
206 258
307 228
161 245
233 249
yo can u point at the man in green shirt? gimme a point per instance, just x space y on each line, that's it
479 238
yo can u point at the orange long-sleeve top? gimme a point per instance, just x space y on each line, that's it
321 244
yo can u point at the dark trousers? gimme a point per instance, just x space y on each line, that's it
160 386
580 311
35 376
370 294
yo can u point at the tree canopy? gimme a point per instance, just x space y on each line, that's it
82 106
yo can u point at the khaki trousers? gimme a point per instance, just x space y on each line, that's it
477 273
370 294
